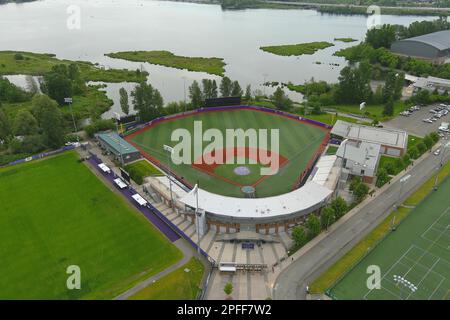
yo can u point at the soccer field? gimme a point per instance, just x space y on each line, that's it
299 142
414 260
55 213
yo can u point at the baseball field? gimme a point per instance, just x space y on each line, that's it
414 259
56 213
298 141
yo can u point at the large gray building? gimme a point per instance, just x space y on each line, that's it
433 46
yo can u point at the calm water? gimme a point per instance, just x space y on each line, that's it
185 29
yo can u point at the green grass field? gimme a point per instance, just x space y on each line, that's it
140 169
178 285
55 213
418 251
298 143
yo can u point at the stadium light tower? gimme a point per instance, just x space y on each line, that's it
403 180
70 101
117 115
441 163
169 151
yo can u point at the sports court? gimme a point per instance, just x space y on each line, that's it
414 259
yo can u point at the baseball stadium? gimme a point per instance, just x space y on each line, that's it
234 194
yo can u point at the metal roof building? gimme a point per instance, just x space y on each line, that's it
117 146
393 142
433 46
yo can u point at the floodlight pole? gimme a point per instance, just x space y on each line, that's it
197 213
169 151
70 100
184 85
120 145
402 183
441 163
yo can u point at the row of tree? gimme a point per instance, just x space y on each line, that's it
315 224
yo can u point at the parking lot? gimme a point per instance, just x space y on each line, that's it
414 122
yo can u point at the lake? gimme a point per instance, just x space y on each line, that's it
185 29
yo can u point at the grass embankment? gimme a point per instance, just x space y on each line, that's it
37 64
336 271
177 285
56 213
168 59
140 169
297 49
331 150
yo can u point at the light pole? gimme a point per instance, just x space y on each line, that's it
397 203
70 101
197 218
169 151
120 144
441 163
265 75
184 85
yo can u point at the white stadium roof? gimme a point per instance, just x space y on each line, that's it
308 196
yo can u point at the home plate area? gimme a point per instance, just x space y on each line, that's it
241 166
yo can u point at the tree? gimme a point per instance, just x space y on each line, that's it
32 85
50 121
382 177
57 84
236 90
225 87
147 101
339 207
5 125
313 225
413 152
327 217
388 109
280 99
421 147
381 37
214 93
389 167
299 236
428 141
73 71
195 94
124 101
228 289
248 93
25 124
361 191
354 84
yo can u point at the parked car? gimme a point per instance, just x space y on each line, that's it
437 152
427 121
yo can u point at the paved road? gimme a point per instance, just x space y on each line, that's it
292 282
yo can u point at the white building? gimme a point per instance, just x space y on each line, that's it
392 142
360 158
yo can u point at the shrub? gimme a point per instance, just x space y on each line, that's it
18 56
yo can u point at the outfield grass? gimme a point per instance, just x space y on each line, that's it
338 270
55 213
298 143
38 64
297 49
178 285
168 59
140 169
